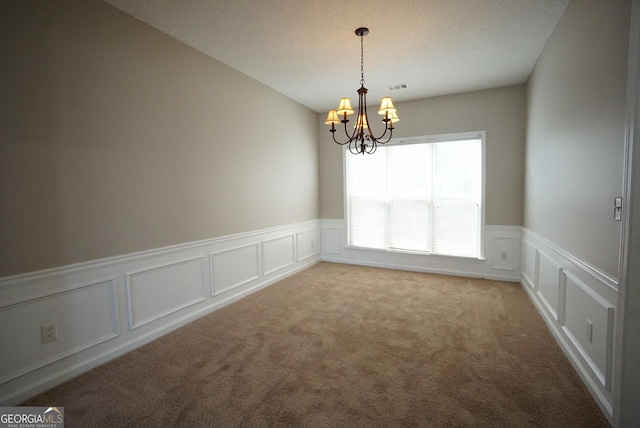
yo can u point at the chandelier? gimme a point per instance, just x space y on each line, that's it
361 139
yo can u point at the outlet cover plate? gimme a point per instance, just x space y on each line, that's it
49 332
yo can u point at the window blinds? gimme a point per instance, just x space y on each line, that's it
420 197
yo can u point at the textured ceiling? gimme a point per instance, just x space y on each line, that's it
307 49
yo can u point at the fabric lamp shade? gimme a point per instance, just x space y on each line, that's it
332 118
345 107
386 106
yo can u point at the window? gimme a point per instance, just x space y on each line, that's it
424 195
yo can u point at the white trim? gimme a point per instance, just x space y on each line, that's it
58 376
58 363
630 219
531 282
14 280
603 377
315 244
59 356
496 264
592 384
283 265
335 249
430 139
214 291
598 274
539 290
598 286
437 138
133 324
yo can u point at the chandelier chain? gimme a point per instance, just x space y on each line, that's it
361 60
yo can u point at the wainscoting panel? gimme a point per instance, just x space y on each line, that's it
152 292
160 291
530 260
501 247
308 244
589 326
503 250
577 301
549 280
235 267
83 317
278 253
332 240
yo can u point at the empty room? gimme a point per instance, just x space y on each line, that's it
301 213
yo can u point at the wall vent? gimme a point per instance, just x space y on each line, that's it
396 87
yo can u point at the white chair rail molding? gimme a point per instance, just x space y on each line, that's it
61 322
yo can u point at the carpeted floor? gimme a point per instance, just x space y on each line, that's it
345 346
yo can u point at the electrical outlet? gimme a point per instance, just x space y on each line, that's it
589 331
49 332
617 209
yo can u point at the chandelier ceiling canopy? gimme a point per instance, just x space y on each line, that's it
361 138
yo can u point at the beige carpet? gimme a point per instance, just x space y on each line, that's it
345 346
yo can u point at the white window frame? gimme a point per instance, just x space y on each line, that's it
426 139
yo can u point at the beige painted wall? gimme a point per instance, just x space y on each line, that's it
500 112
575 136
116 138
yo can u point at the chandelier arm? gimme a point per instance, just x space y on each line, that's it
354 134
388 138
338 142
356 137
351 137
386 128
359 140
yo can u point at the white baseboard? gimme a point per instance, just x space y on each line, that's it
578 303
105 308
501 249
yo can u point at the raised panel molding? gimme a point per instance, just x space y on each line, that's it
308 244
593 344
501 245
99 292
503 253
234 267
548 285
85 316
577 301
278 253
331 237
530 261
154 292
